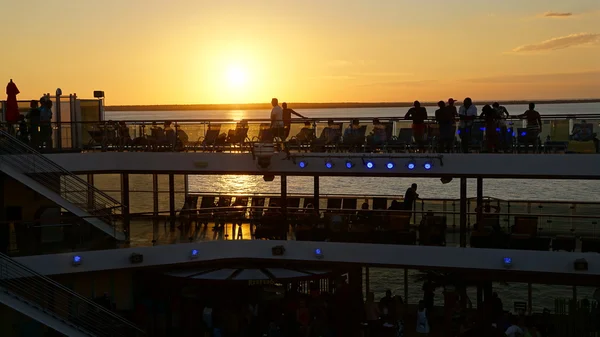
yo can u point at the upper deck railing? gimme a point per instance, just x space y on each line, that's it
560 133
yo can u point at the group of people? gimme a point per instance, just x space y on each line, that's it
35 128
494 118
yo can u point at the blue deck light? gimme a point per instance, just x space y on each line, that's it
523 133
349 164
194 254
302 164
369 164
390 165
411 166
427 166
318 253
328 164
76 260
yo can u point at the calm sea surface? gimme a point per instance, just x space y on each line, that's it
382 279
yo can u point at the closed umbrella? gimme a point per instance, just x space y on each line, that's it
12 108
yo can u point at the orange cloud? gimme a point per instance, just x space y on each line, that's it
557 14
560 43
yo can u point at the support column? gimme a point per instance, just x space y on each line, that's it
367 281
4 228
125 203
172 200
284 205
479 202
405 286
463 212
186 187
479 296
155 196
316 194
529 298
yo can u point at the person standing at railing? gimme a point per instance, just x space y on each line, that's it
276 119
466 114
11 115
534 125
445 117
46 122
33 117
287 119
502 124
418 115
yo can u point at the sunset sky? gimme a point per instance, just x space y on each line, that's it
241 51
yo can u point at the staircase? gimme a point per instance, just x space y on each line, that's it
31 168
57 306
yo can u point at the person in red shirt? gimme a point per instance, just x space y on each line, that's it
418 115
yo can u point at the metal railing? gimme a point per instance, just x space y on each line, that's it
69 186
195 134
52 298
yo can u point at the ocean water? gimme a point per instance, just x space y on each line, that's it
382 279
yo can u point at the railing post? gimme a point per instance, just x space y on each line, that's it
463 212
58 120
316 194
125 203
155 198
172 200
479 202
283 205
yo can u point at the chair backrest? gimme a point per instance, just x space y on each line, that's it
398 221
334 203
389 130
405 135
308 201
583 132
559 131
224 201
265 134
380 203
241 201
207 202
527 225
293 203
349 204
191 201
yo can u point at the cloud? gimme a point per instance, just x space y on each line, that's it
582 76
560 43
557 14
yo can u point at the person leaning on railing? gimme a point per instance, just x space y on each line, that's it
418 115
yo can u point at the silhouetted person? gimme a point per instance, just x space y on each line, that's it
410 197
287 119
491 119
46 122
503 124
276 119
445 117
467 114
33 117
418 115
534 125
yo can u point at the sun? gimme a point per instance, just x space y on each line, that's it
236 77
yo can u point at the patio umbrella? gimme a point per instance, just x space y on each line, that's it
12 108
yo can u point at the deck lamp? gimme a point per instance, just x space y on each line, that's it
507 261
390 165
302 164
411 165
427 165
349 164
136 258
194 254
329 164
368 163
318 253
76 260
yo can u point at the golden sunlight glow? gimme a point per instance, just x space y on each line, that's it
236 77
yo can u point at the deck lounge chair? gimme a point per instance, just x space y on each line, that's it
265 134
206 215
238 136
403 142
329 139
355 141
257 205
558 137
210 139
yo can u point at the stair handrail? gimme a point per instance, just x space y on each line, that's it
7 259
54 165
